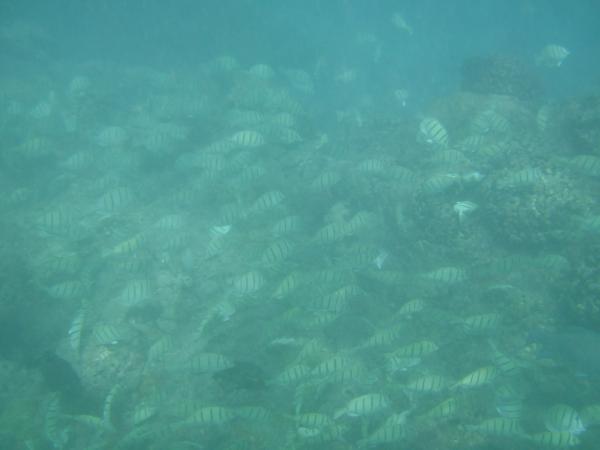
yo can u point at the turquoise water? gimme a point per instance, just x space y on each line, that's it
298 225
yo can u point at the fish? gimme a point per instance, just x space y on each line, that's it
463 209
112 136
292 375
555 439
248 138
480 323
400 23
415 349
447 275
262 71
209 363
401 364
411 307
313 420
563 418
287 285
331 365
143 412
267 201
386 434
211 415
441 182
432 132
443 410
552 55
508 405
586 164
76 329
402 96
427 384
498 426
248 283
479 377
364 405
346 75
381 258
277 252
528 177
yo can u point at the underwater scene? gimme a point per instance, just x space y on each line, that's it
298 225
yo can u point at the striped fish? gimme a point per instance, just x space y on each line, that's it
170 222
262 71
480 323
160 349
277 252
441 182
127 247
293 375
556 439
248 283
331 365
479 377
325 181
53 426
443 410
248 138
529 176
372 165
257 413
382 337
111 136
411 307
76 330
252 173
209 362
106 334
385 434
563 418
401 364
498 426
330 303
93 422
508 402
135 292
416 349
267 201
211 415
143 412
505 364
287 285
314 420
116 199
332 232
431 131
552 55
359 221
287 135
427 384
447 275
56 221
67 290
587 165
364 405
287 225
